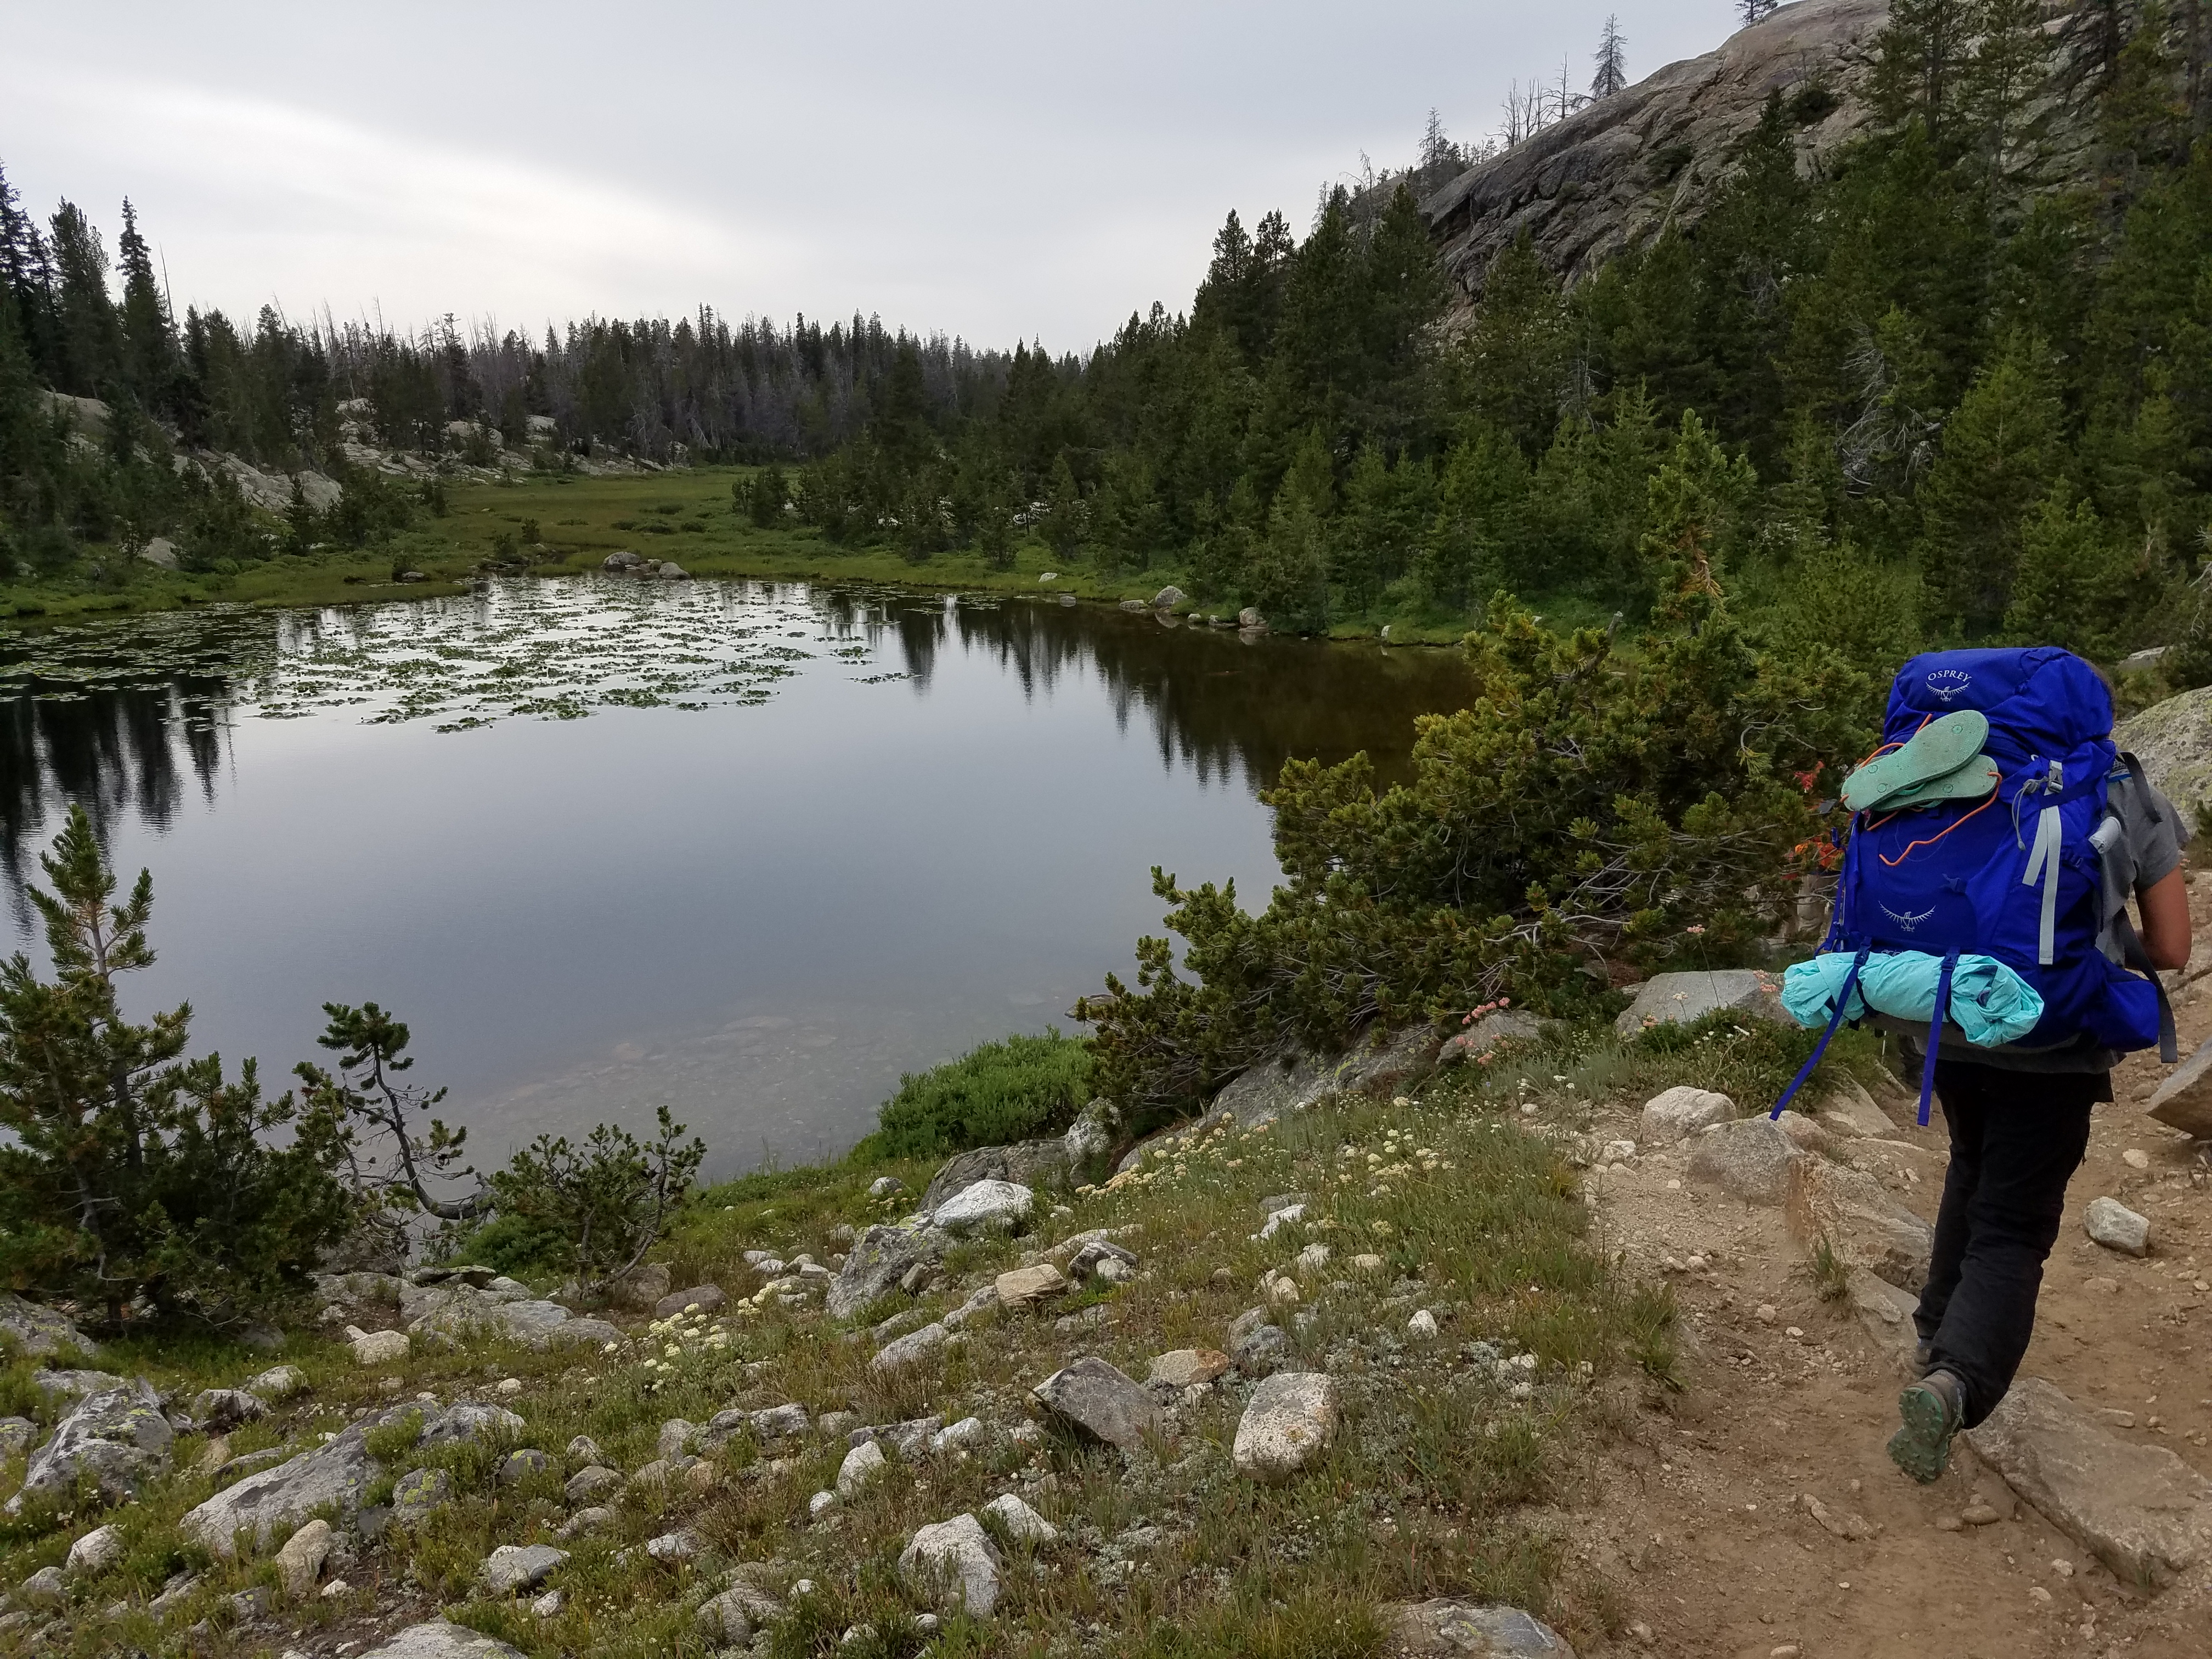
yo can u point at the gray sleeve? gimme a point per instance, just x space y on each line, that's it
2155 832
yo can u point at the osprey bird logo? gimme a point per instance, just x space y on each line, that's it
1908 923
1947 683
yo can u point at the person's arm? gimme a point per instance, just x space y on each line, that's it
2165 906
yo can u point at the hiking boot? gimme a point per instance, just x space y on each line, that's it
1944 746
1933 1410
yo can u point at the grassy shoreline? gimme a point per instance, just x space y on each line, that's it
687 516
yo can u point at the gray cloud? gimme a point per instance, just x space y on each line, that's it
993 170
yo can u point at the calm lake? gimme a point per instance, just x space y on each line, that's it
749 850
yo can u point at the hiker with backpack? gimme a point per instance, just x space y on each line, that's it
1982 912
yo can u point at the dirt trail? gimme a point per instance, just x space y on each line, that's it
1704 1525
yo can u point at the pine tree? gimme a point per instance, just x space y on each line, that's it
2077 586
90 355
1748 12
2009 65
1920 56
2001 447
1611 60
149 342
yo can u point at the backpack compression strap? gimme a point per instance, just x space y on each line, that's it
1935 1032
1843 1001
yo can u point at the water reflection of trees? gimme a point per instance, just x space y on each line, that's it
1226 708
1218 702
121 753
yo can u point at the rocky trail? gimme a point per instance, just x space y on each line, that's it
1761 1516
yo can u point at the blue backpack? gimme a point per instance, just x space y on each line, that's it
2015 875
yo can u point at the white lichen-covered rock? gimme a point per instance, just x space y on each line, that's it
475 1425
2117 1227
380 1347
1453 1627
958 1558
36 1330
218 1409
109 1445
277 1383
1289 1421
987 1207
440 1640
882 1256
861 1467
1022 1524
96 1551
1683 1110
910 1349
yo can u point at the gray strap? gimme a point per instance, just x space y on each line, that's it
2132 953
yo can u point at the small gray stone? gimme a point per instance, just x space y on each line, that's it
675 1438
111 1443
16 1435
589 1519
1100 1401
1683 1110
441 1640
583 1450
2117 1227
671 1547
874 1266
886 1186
43 1588
418 1492
1023 1524
1256 1346
704 1298
520 1466
218 1409
781 1423
473 1424
277 1383
910 1349
1750 1158
958 1557
592 1481
514 1567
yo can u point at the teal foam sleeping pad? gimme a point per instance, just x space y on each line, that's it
1990 1003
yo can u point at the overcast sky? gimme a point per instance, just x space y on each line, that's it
997 170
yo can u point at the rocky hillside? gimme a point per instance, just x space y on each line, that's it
1626 166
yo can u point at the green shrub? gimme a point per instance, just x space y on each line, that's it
1016 1090
517 1246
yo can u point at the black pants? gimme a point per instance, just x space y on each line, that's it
2016 1139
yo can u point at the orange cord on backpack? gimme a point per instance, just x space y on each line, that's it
1938 835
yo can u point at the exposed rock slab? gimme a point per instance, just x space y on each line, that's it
1886 1314
2184 1100
2140 1509
1293 1077
116 1440
2173 741
1470 1630
37 1330
1025 1287
1099 1400
1864 1224
335 1473
1682 999
910 1349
